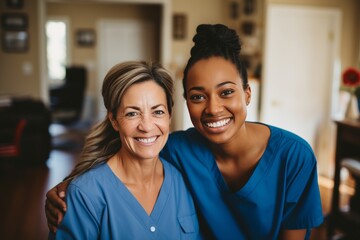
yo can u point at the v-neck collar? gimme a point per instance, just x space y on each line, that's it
133 203
259 172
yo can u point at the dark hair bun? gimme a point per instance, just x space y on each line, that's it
211 37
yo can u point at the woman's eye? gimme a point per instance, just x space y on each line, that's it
131 114
196 98
159 112
227 92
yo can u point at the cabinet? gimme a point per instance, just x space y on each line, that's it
347 146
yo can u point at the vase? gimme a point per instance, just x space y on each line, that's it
352 111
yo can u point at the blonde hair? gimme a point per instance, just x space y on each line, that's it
103 141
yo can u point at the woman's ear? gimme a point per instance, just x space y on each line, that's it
248 95
113 121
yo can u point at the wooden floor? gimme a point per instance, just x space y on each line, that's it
23 189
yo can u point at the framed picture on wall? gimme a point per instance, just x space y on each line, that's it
85 37
15 41
14 21
248 28
179 26
17 4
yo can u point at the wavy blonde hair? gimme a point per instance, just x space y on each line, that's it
103 141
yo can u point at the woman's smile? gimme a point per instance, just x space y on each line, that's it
146 140
217 124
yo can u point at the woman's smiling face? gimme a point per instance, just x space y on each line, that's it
142 120
216 100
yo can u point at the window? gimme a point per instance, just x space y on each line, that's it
57 49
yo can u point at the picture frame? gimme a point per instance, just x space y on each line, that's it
85 37
15 41
15 4
249 7
234 10
248 28
14 21
179 26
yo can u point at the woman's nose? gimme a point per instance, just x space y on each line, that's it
214 106
146 123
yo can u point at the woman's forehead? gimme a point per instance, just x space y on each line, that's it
144 92
214 71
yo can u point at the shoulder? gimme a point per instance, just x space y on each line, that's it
289 151
185 145
285 139
91 181
293 153
186 138
91 189
190 133
171 170
176 180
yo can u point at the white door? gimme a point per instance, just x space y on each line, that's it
301 49
123 40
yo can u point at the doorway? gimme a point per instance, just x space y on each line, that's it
124 40
300 81
163 27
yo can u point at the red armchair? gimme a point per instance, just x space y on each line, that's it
12 148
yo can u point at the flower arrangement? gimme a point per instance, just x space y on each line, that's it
351 81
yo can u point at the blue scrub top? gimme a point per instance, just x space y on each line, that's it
101 207
282 193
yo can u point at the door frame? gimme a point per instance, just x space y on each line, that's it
336 71
324 141
165 35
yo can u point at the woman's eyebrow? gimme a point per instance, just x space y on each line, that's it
198 88
224 83
138 108
132 107
158 105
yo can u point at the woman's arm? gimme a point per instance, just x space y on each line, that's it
293 234
55 205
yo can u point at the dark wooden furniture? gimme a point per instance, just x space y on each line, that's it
347 146
24 131
66 101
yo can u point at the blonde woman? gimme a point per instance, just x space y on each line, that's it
121 188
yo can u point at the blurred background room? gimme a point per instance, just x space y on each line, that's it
55 53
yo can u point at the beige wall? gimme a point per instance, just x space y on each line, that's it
197 12
14 81
90 14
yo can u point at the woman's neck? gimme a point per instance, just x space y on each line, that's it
237 159
143 178
136 171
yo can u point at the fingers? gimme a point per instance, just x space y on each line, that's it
54 200
51 213
55 205
53 222
52 228
61 189
51 219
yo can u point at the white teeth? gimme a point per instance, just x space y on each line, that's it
147 140
218 123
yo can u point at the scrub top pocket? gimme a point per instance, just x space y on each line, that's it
190 226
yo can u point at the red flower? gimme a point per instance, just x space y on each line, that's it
351 77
